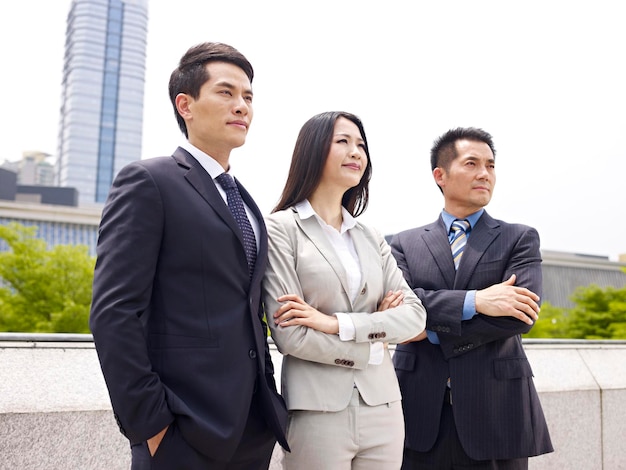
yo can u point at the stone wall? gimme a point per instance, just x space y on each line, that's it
55 411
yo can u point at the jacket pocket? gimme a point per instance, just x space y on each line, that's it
512 368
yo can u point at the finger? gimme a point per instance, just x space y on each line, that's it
530 302
281 318
287 297
289 309
287 317
282 309
510 281
527 314
529 319
527 293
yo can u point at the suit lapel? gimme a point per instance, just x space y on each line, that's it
315 233
205 186
203 183
481 236
436 240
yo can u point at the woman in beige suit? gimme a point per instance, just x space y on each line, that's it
334 298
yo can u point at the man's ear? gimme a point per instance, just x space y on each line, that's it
438 174
183 105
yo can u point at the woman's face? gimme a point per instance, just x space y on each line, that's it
347 159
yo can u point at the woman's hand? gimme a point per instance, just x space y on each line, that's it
295 311
391 300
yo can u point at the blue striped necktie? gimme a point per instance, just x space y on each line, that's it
459 230
237 208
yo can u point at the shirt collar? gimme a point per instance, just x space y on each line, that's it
212 167
472 219
305 210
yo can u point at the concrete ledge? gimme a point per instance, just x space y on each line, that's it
582 386
70 440
55 411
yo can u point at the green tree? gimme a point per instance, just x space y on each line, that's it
599 313
552 323
41 289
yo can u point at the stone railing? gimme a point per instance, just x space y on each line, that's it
55 411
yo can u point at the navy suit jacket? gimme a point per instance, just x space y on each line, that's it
177 322
496 407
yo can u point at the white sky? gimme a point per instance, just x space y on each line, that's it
545 78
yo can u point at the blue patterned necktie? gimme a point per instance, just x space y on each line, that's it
235 204
459 229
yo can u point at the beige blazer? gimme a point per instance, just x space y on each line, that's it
319 370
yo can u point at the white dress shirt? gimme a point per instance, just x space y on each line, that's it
344 247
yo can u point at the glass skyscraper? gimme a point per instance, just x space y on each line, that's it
102 94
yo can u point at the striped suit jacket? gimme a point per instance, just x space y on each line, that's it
496 407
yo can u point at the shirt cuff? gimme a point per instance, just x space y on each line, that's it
432 337
347 331
469 305
377 351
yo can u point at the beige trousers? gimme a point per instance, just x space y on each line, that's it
361 437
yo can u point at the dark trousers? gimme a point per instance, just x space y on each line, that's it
254 451
448 453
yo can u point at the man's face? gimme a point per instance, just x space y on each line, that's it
218 120
469 182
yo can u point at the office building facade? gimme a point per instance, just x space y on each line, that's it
101 119
56 224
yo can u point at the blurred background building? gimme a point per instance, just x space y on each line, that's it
101 118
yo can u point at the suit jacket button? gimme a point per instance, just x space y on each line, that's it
363 291
252 354
370 336
383 335
351 363
337 361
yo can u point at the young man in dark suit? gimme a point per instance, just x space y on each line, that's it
467 389
176 313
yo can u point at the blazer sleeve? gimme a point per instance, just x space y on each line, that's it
282 278
128 247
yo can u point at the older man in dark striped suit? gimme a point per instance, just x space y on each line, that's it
467 390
